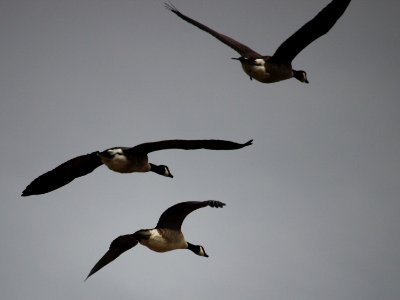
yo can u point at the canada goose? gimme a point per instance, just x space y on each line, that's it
166 236
120 159
268 69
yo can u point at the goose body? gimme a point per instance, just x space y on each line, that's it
269 69
164 239
166 236
121 160
261 70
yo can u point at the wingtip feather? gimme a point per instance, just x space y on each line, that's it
26 192
250 142
168 5
216 203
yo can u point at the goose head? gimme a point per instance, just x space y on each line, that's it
197 249
300 76
161 170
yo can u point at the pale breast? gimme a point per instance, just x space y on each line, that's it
121 164
266 72
162 240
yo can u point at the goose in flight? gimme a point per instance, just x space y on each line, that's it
268 69
122 160
166 236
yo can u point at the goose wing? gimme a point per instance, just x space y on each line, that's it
312 30
243 50
63 174
117 247
187 145
173 217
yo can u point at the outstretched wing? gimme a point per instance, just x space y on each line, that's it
117 247
187 145
63 174
243 50
312 30
173 217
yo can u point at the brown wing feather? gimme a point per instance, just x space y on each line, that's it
63 174
187 145
312 30
117 247
173 217
243 50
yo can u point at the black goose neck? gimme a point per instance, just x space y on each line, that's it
157 169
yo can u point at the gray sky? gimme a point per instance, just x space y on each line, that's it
312 207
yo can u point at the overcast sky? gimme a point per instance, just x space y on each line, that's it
312 207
